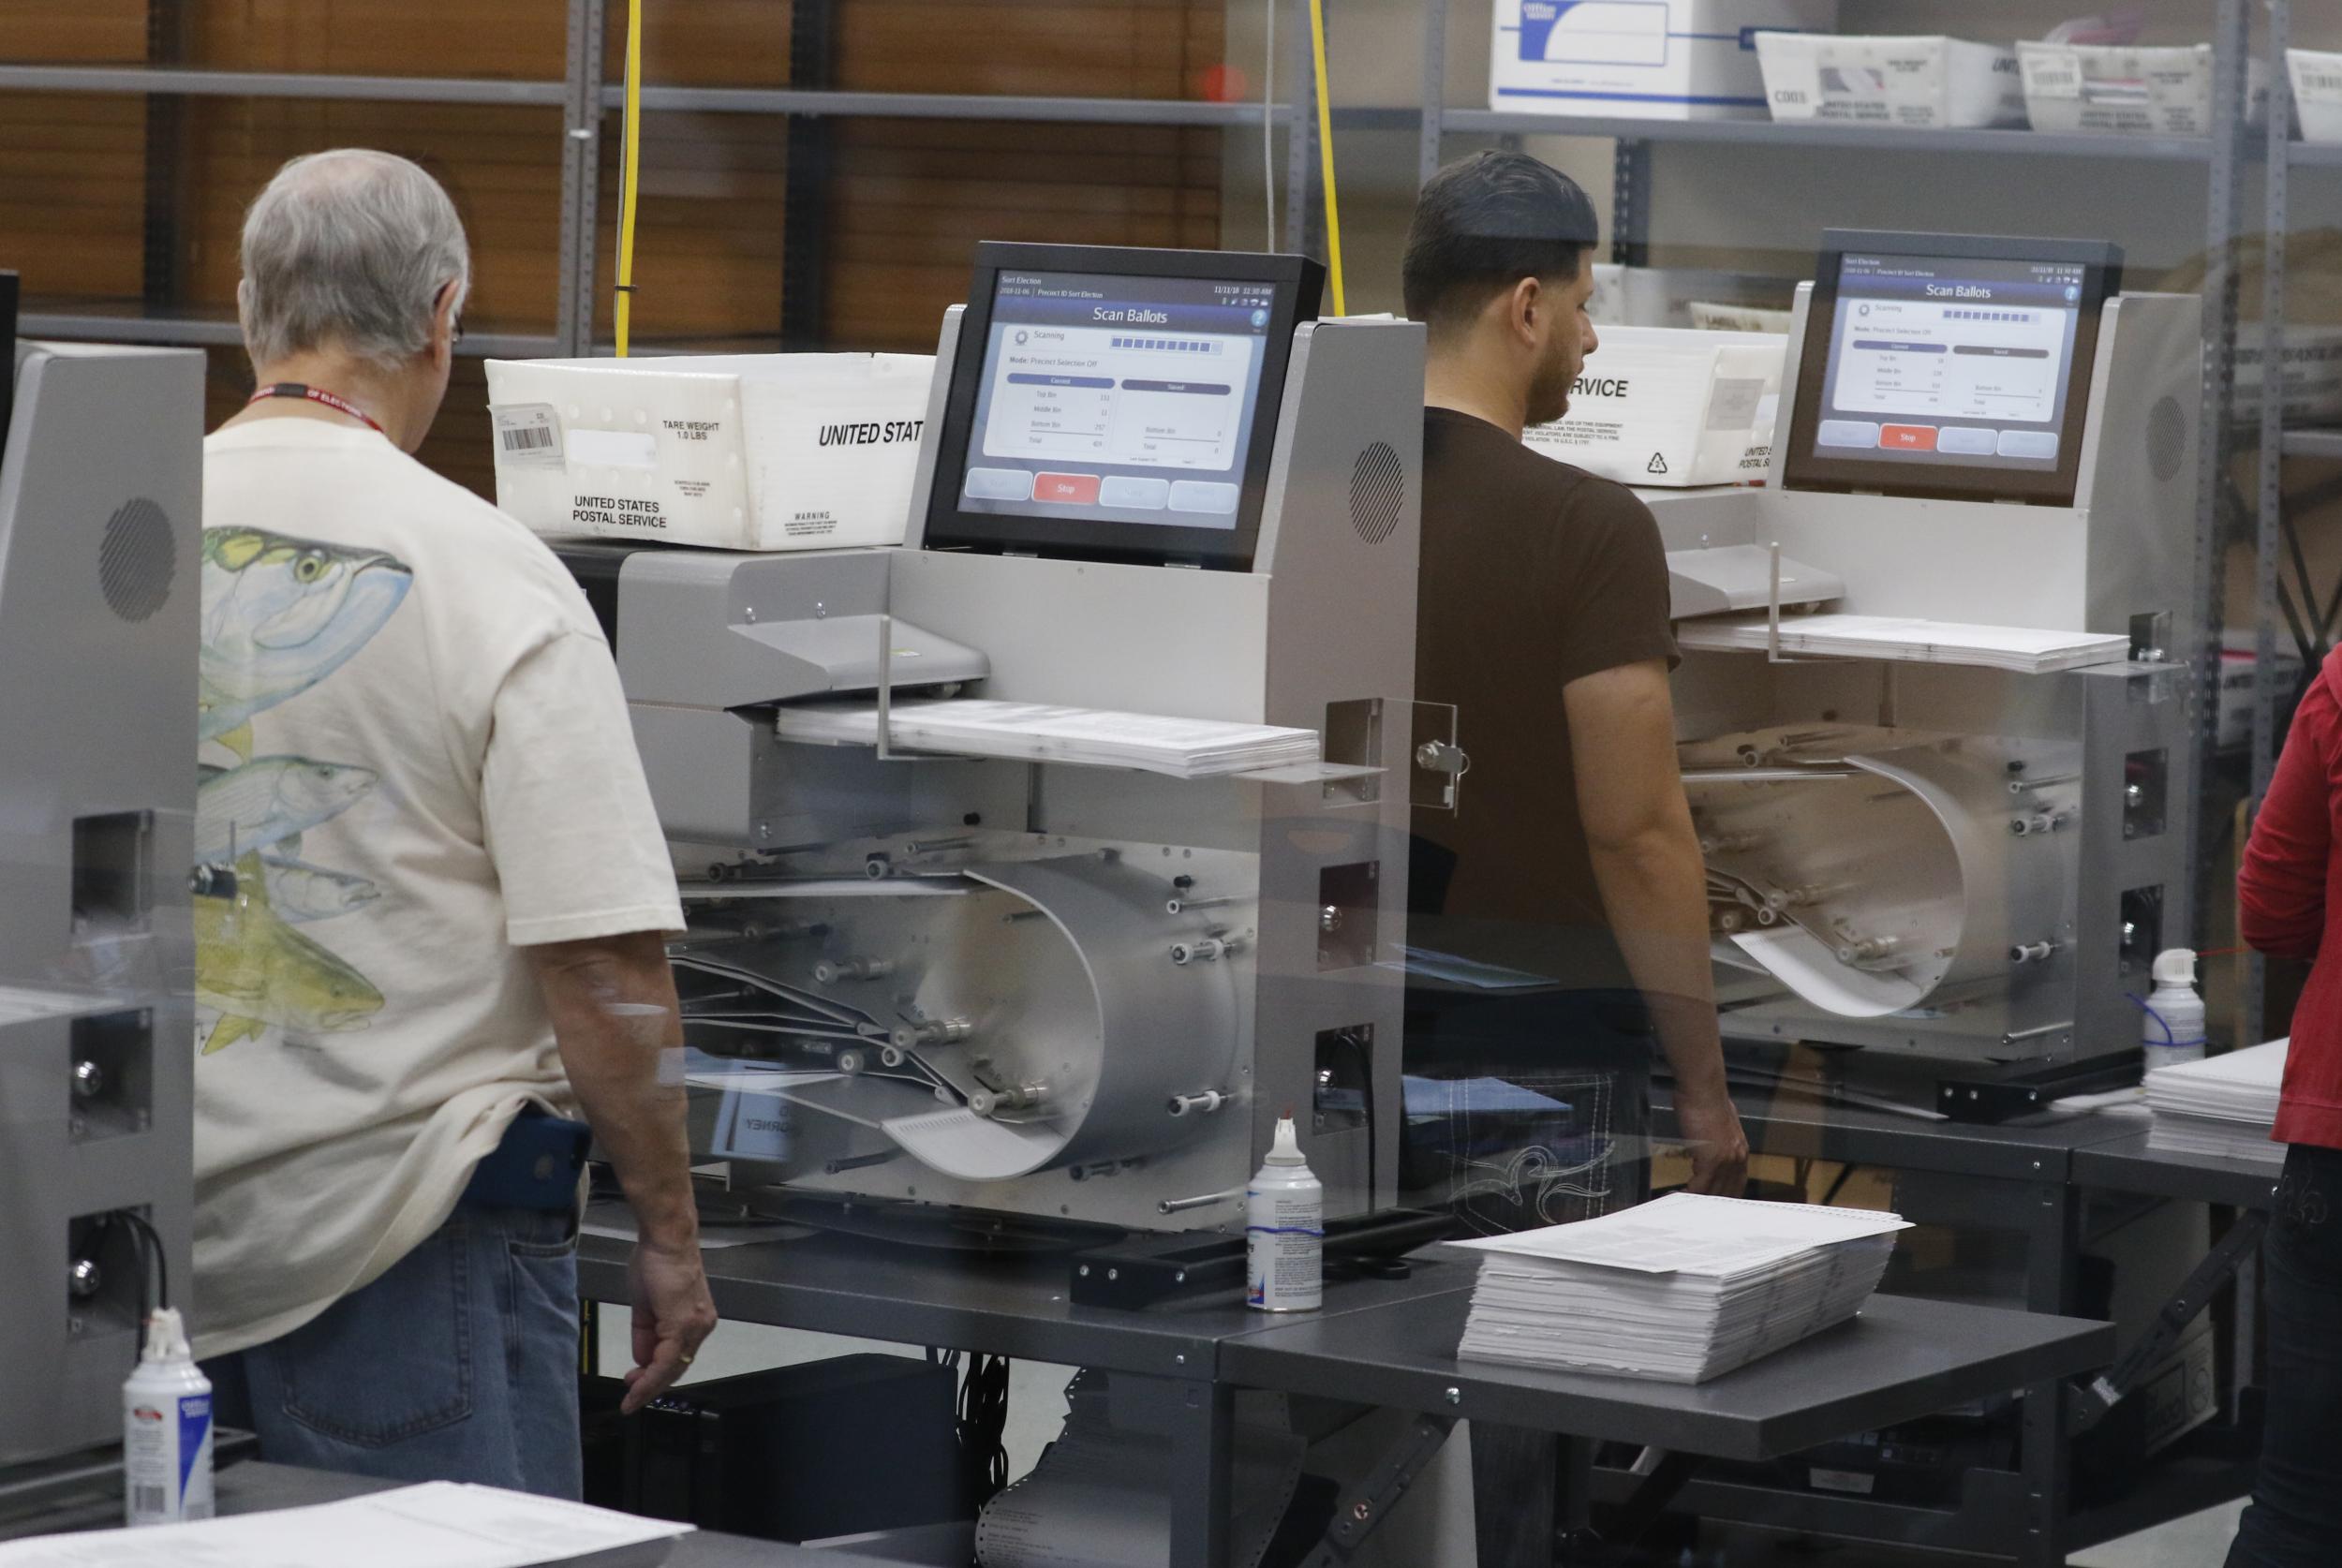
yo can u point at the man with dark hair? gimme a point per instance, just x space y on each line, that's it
1568 880
1559 911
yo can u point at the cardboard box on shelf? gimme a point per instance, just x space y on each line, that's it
2128 91
1638 59
741 451
1669 407
1923 82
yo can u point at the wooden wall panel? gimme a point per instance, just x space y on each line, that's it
704 43
72 32
1140 49
709 228
911 198
72 194
500 165
505 40
901 203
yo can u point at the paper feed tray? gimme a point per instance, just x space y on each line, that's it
1723 578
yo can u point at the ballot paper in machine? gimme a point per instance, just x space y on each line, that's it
1679 1289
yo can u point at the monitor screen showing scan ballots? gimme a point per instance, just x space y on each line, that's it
1123 412
1949 366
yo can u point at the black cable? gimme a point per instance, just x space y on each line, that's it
1839 1186
138 1249
982 1418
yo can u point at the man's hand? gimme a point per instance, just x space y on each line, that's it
673 1318
614 1017
1719 1150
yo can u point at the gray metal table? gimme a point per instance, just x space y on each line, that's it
2244 1177
1908 1359
2030 1178
1902 1358
1015 1307
258 1488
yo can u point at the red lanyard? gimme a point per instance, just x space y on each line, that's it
315 395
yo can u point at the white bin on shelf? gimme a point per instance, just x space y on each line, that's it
1666 405
2316 92
1923 82
2128 90
742 452
1638 59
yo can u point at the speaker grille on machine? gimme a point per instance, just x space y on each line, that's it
1378 490
2167 439
138 560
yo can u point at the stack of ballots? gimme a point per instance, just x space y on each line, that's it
1181 747
1679 1290
2221 1105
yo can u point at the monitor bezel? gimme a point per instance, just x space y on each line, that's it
1803 470
1298 283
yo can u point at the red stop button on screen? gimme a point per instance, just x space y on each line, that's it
1070 490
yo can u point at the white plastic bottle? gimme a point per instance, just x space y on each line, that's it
2173 1031
166 1430
1285 1231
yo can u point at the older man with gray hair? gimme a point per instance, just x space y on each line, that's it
443 933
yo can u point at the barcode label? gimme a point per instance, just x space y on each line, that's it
150 1500
528 435
2321 81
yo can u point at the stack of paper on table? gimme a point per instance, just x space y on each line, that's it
2020 649
444 1524
973 727
2221 1105
1679 1289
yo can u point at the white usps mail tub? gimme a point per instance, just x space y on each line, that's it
1926 81
2094 89
1638 59
1667 405
739 452
2316 92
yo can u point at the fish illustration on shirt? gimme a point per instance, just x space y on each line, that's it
300 893
280 615
256 971
242 809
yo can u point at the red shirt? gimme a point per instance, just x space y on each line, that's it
2289 905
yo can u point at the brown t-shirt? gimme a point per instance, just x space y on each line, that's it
1533 574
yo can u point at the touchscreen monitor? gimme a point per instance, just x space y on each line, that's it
1116 403
1949 366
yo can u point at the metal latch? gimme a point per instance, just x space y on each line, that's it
1438 756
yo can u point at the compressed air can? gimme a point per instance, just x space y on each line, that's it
1285 1231
2173 1032
166 1430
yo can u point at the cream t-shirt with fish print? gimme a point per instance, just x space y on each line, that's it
416 756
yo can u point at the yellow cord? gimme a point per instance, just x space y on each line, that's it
630 174
1325 151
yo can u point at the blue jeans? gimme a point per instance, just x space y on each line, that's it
460 1364
2295 1520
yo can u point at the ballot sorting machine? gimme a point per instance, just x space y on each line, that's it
1153 493
100 493
1937 720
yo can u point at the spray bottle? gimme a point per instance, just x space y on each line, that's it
1284 1230
166 1430
2173 1031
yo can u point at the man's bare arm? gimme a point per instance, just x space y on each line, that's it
1647 863
614 1016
